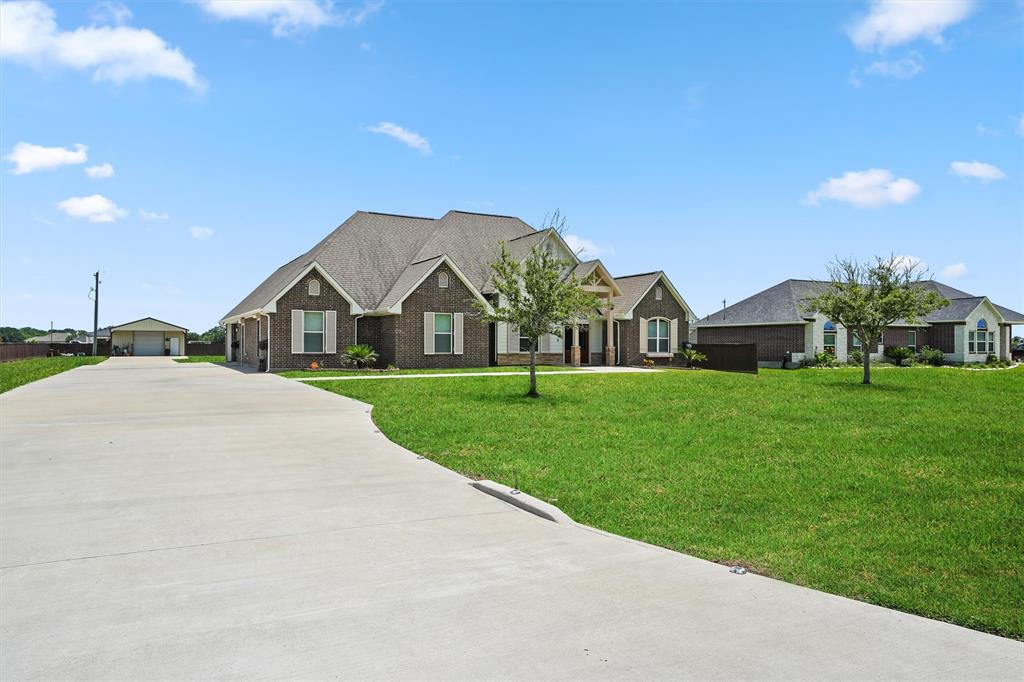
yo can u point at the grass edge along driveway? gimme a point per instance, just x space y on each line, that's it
908 493
20 372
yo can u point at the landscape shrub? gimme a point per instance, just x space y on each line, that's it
824 359
898 354
933 356
691 356
856 357
360 356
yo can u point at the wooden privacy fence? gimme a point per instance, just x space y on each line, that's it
21 351
729 357
204 348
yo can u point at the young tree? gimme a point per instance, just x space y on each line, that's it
536 296
866 298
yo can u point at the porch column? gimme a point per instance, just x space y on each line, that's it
574 351
609 345
227 344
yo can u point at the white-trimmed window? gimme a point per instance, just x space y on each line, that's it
982 340
912 339
658 293
524 344
658 335
312 331
442 280
829 337
314 287
442 333
856 341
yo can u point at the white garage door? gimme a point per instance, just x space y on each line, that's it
149 343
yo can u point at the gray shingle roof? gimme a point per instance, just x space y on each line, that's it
369 252
409 277
633 288
783 304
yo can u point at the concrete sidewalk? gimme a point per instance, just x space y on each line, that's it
184 521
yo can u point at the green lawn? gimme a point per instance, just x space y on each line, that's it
201 358
908 493
21 372
305 373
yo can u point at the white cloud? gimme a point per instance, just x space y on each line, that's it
896 22
865 189
903 69
406 137
152 215
200 232
976 169
585 248
104 170
110 12
983 129
29 35
96 208
28 158
288 17
954 271
909 263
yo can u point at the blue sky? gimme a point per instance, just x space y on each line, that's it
732 145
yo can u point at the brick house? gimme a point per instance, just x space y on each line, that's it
409 287
967 329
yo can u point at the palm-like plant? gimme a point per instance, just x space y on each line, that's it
692 356
360 356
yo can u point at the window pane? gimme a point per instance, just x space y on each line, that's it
524 344
652 345
442 323
442 343
313 322
856 341
313 342
830 339
663 328
663 345
652 328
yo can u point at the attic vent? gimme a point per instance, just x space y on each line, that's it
657 293
314 287
442 280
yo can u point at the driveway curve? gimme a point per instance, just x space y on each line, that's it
188 521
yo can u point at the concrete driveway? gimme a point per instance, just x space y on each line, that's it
186 521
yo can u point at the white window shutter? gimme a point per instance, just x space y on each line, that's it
457 333
513 338
673 335
296 331
331 332
643 335
428 333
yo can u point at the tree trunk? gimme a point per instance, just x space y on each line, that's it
867 363
533 370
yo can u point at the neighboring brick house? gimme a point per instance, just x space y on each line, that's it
411 288
967 329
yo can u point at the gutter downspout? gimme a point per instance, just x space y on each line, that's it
269 344
355 330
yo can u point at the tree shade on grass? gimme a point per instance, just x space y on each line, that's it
21 372
906 493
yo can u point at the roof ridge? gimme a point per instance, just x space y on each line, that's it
529 234
422 260
395 215
639 274
490 215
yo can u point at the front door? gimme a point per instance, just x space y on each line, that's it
584 345
175 348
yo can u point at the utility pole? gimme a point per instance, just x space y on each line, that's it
95 313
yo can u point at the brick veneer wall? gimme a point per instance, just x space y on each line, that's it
298 298
773 341
249 345
941 336
407 329
631 352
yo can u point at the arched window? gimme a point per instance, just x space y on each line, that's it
829 340
657 293
442 280
982 341
657 335
314 287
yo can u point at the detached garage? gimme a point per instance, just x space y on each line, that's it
148 336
